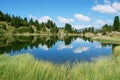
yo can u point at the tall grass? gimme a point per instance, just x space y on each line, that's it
25 67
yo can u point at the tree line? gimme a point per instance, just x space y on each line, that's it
109 28
105 28
17 22
89 29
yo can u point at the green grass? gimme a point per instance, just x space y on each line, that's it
25 67
107 39
116 51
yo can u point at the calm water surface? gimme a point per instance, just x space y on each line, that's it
55 49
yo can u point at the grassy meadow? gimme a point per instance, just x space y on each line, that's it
25 67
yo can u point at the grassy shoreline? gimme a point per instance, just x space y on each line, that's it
112 38
25 67
107 39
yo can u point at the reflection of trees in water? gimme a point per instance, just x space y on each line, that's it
69 39
14 43
87 39
115 48
106 44
20 42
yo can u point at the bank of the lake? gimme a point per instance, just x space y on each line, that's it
25 67
107 39
112 38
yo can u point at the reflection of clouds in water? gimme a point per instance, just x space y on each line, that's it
63 46
108 47
79 40
81 49
44 47
98 46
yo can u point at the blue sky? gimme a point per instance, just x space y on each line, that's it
79 13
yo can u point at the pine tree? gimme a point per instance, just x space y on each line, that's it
1 16
31 22
116 24
92 29
36 23
68 27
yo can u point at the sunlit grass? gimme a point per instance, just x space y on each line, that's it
103 69
106 39
116 51
25 67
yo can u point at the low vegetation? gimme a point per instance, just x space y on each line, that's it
25 67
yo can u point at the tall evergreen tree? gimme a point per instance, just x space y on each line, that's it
92 30
68 27
49 24
7 17
31 22
25 22
36 23
116 24
13 20
105 29
1 16
43 26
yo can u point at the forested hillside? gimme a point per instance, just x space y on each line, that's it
11 24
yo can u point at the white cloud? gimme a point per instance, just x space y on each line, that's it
81 17
81 49
116 5
44 19
81 26
79 40
63 46
105 8
98 46
41 19
102 22
64 20
44 47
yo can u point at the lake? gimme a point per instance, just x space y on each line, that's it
56 49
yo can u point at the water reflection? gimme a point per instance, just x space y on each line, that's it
115 48
81 49
56 49
18 42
